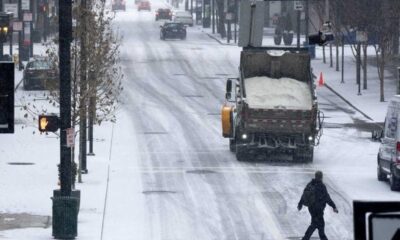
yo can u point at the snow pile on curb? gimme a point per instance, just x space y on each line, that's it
269 93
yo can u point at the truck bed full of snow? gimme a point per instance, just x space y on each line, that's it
283 93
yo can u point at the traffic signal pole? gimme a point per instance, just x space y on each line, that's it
65 202
65 38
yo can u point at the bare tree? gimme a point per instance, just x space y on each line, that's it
102 63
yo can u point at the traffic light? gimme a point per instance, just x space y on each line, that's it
4 27
6 97
49 123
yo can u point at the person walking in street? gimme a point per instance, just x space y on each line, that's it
315 196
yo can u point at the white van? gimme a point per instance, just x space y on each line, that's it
183 17
389 150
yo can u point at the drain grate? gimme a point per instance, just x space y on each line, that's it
200 171
179 74
21 163
214 114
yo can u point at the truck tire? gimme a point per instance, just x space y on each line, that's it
380 174
242 154
232 145
304 155
394 183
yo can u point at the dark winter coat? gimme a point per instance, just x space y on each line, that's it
321 197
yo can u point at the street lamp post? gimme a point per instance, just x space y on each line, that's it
65 202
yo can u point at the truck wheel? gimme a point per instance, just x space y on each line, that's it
241 153
232 145
394 183
381 175
304 155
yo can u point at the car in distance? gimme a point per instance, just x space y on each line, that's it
389 149
118 5
144 5
172 30
40 75
163 13
184 17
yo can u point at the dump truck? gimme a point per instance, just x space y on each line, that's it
271 108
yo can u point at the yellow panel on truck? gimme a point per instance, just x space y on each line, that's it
226 117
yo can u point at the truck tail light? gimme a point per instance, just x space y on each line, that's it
398 152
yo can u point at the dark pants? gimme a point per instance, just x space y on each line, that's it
317 222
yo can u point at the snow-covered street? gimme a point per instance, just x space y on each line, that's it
163 171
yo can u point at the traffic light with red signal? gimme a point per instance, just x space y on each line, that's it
49 123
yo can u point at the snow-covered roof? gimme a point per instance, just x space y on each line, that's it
271 93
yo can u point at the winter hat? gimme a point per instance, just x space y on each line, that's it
318 175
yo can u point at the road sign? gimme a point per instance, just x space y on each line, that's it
298 6
229 16
70 137
27 17
17 26
11 7
25 5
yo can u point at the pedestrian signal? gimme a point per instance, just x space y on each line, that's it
48 123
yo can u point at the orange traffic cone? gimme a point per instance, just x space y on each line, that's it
321 81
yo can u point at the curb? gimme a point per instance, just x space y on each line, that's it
349 103
219 41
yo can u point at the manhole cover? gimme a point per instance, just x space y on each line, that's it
221 74
20 163
158 192
200 171
210 78
154 133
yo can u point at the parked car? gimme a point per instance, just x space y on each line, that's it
163 13
172 30
144 5
40 75
389 150
183 17
118 5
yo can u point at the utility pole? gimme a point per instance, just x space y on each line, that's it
342 81
298 27
83 91
92 111
236 19
65 203
213 15
307 19
20 34
358 74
